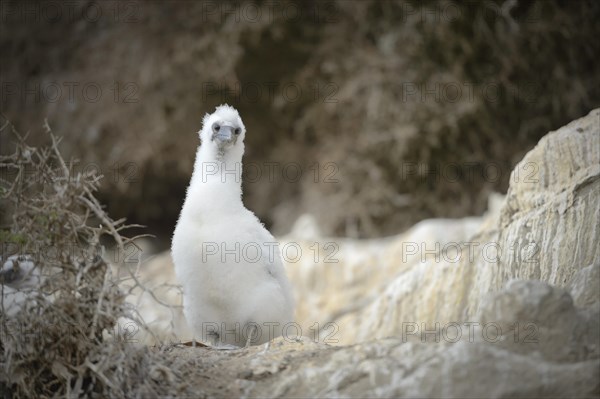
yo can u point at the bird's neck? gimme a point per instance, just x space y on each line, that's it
216 183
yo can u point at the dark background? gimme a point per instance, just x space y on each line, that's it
369 115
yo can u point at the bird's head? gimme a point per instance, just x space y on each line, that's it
223 130
18 272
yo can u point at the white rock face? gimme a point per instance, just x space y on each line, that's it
547 229
340 279
552 205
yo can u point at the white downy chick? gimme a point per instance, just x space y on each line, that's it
20 281
235 290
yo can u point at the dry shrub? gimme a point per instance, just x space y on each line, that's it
63 340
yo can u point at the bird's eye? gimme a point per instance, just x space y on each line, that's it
216 127
237 130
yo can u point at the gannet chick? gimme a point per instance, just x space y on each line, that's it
20 280
19 272
235 290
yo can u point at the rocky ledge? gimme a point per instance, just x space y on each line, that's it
509 307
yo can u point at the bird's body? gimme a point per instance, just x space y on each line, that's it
229 265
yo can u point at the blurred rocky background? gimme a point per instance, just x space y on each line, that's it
369 115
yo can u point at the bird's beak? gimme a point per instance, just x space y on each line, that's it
225 136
